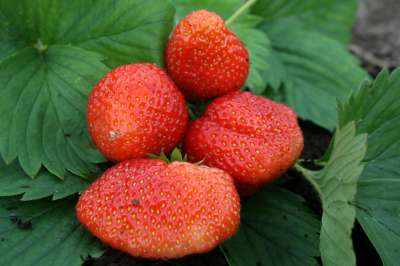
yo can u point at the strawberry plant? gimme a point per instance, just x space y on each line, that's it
86 83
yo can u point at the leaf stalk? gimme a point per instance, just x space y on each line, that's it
239 12
310 176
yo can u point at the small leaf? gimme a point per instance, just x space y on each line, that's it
337 186
50 234
277 228
375 108
162 156
14 181
176 155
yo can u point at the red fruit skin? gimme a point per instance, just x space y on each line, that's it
205 58
252 138
155 210
135 110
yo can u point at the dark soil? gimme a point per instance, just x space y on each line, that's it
316 142
115 258
376 38
365 251
376 41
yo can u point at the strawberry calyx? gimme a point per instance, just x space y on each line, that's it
175 156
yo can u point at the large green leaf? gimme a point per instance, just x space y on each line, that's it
42 109
315 70
275 9
337 186
43 233
375 108
9 42
310 64
224 8
277 228
45 89
123 32
335 19
14 181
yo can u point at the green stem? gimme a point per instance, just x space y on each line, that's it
239 12
310 176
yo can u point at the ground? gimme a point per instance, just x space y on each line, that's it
376 41
376 38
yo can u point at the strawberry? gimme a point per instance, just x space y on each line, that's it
135 110
205 58
155 210
252 138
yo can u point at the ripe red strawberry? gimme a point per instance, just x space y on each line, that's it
152 209
136 110
205 58
252 138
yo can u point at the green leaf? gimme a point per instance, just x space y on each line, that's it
33 20
337 186
123 32
334 20
315 71
162 156
277 228
274 9
9 42
311 67
14 181
176 155
258 45
223 8
45 89
43 109
55 236
375 108
126 31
